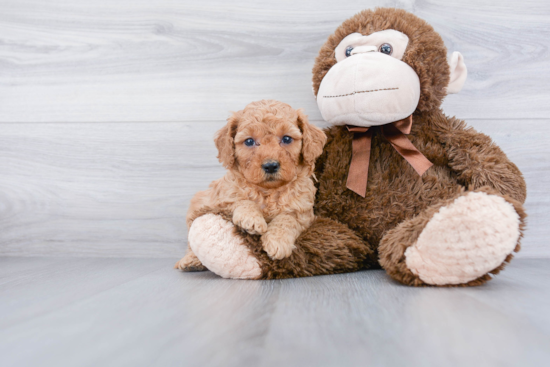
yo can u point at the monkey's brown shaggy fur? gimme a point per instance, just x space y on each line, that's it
351 232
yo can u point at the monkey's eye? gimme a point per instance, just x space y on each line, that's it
348 51
286 139
249 142
386 49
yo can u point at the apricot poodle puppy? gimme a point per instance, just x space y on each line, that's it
269 150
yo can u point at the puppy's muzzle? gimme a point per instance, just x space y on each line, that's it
271 167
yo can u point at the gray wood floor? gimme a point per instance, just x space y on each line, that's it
141 312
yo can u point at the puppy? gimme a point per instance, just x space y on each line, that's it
269 150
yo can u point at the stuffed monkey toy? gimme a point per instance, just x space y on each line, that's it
401 186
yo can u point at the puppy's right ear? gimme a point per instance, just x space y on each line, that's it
313 140
224 141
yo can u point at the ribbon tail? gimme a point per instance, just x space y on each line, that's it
408 151
359 166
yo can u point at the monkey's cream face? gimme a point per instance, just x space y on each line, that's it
369 85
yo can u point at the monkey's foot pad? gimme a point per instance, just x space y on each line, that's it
215 243
465 240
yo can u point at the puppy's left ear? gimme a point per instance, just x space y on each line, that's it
224 141
313 139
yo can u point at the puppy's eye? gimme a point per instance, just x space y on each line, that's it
348 51
249 142
386 49
286 139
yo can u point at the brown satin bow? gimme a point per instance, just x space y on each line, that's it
395 133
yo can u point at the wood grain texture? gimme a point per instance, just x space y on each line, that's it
141 312
115 189
82 61
109 108
122 189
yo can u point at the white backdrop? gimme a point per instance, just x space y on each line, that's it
108 108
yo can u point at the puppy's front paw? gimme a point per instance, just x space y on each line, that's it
278 246
253 224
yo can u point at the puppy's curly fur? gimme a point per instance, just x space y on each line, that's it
276 205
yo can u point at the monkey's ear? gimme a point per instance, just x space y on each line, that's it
313 140
224 142
458 73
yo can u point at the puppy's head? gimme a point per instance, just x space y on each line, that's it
269 143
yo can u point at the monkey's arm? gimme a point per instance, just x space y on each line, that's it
478 161
321 160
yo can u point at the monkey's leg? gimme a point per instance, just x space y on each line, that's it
327 247
214 240
459 241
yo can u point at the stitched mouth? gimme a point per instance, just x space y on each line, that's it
361 91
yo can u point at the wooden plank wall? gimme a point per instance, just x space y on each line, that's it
108 108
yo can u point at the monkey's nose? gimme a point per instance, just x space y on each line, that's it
271 166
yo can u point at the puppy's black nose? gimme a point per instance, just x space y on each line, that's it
271 167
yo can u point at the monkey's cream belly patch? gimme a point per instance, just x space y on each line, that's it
215 243
465 240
